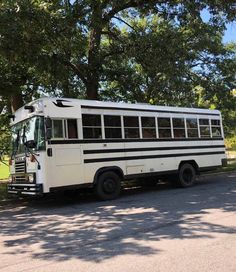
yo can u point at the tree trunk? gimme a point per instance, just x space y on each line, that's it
92 87
94 61
16 101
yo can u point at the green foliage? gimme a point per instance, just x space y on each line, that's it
4 170
230 143
129 50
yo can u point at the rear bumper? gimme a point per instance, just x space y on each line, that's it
25 189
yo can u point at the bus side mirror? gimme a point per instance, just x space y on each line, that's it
48 122
48 133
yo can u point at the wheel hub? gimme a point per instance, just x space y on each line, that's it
109 186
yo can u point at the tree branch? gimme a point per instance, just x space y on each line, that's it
77 70
123 21
120 7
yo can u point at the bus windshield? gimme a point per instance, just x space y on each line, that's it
28 130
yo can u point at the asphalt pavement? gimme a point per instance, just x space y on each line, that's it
158 229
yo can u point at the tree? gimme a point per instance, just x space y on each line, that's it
72 33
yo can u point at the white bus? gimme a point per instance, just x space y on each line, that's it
61 144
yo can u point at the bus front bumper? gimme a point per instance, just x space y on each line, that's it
25 189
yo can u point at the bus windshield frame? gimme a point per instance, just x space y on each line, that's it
31 129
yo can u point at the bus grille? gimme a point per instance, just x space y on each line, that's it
20 179
20 167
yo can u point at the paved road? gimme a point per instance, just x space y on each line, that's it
164 229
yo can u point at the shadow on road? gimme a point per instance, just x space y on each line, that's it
62 229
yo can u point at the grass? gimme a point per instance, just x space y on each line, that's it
4 170
231 166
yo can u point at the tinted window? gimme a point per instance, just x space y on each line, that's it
131 121
164 133
163 122
216 131
148 127
91 120
179 127
204 128
91 126
131 127
191 123
112 126
203 122
192 127
178 122
193 133
205 131
148 121
58 129
112 121
215 128
215 122
72 128
91 133
164 128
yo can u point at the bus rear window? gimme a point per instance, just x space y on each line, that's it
215 128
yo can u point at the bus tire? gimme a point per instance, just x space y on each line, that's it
108 186
186 175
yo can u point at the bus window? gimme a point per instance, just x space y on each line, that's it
192 128
178 127
72 129
148 127
215 128
91 126
204 128
164 127
112 125
58 129
131 126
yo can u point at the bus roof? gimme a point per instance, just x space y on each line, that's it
131 106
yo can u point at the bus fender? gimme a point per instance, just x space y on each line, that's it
114 169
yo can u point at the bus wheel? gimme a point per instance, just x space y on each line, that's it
186 175
108 186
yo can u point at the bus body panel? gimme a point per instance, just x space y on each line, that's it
70 162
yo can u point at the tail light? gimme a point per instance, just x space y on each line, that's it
10 161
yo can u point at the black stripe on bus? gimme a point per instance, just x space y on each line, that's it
148 110
128 158
92 141
98 151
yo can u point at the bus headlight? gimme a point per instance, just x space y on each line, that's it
31 178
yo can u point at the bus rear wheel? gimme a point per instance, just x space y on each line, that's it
108 186
186 175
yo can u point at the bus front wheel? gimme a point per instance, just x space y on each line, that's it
186 175
108 186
